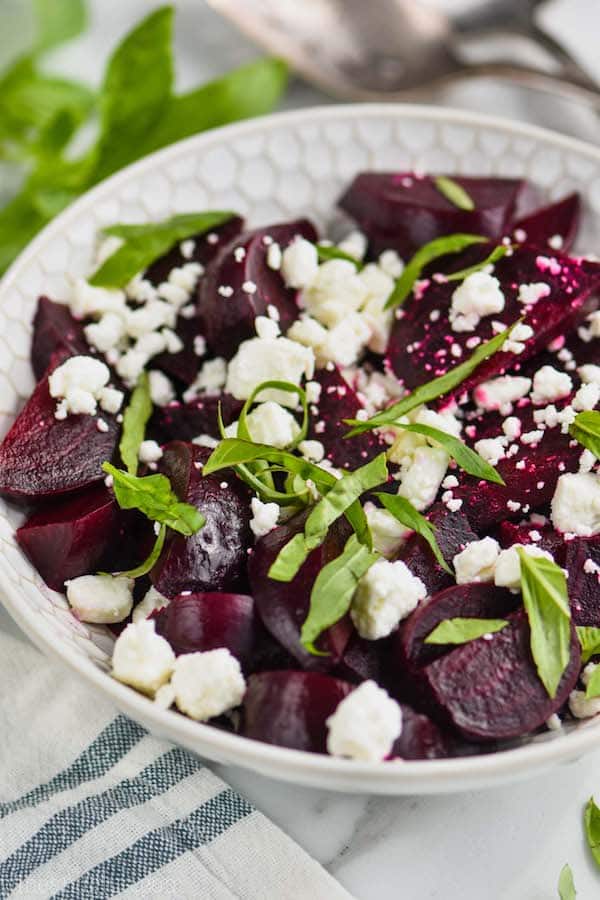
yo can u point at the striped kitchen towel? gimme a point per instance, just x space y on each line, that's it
92 806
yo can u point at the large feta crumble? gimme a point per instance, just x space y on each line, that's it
264 517
142 658
477 561
100 599
576 504
387 593
508 565
365 724
259 360
207 684
80 384
477 296
422 478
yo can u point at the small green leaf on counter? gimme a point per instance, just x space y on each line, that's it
403 510
333 590
135 419
544 589
592 828
461 630
468 460
149 563
496 254
589 638
454 193
586 430
566 885
442 246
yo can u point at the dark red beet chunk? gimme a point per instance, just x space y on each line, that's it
339 401
561 218
183 365
362 660
489 689
420 738
453 533
184 421
227 321
284 607
213 559
42 456
204 250
511 533
290 709
54 328
403 211
584 586
209 621
570 299
68 539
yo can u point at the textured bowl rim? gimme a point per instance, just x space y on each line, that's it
403 777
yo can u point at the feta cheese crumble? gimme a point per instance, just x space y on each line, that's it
550 384
264 517
365 724
207 684
299 263
153 600
477 561
422 478
270 423
259 360
387 593
149 452
576 504
477 296
387 532
508 565
500 393
142 658
78 384
100 599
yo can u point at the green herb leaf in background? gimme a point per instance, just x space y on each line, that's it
461 630
593 686
586 430
454 193
589 638
425 393
135 419
469 461
153 496
403 510
58 22
442 246
591 819
544 589
333 590
496 254
566 885
145 243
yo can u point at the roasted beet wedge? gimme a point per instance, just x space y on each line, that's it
206 247
214 559
228 320
284 607
582 562
42 456
208 621
185 421
489 690
453 533
54 328
419 348
403 211
339 401
290 709
362 660
479 601
68 538
183 365
558 221
543 536
420 738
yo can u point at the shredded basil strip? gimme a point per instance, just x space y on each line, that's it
153 496
468 460
334 504
405 513
496 254
333 590
592 828
566 885
593 686
442 246
286 386
148 563
546 602
145 243
586 431
326 253
432 389
589 638
461 630
135 419
454 192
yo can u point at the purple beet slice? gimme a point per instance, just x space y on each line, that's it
543 536
228 319
339 401
185 421
206 247
184 365
42 456
362 660
283 607
420 738
198 622
68 538
403 211
54 328
489 690
290 709
582 562
420 349
213 559
558 219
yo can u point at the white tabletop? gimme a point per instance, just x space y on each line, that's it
506 844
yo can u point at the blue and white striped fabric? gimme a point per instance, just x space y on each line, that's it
92 807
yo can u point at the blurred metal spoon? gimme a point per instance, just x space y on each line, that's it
401 49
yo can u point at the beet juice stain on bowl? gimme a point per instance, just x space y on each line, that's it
338 497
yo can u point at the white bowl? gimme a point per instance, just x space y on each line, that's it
271 169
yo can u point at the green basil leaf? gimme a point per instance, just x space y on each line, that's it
496 254
234 452
153 496
453 192
442 246
425 393
149 562
544 589
566 885
472 463
326 253
403 510
589 638
135 419
145 243
586 430
593 686
461 630
592 828
333 590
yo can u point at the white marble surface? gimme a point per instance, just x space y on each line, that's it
507 844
